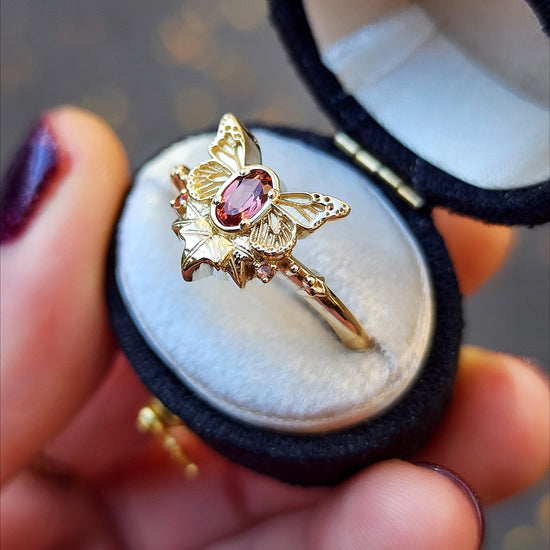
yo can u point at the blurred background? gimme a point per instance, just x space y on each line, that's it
158 70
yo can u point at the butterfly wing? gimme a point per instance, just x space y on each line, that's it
290 217
310 210
233 148
274 234
205 179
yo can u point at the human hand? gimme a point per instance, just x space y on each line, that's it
68 394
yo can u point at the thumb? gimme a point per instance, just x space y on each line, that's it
59 200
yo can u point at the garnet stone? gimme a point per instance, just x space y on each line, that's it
243 197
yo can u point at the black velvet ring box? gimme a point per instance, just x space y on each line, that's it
420 124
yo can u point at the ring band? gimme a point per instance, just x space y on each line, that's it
233 217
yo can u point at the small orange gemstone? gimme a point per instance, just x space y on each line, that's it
181 199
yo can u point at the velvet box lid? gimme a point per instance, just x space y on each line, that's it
462 135
397 141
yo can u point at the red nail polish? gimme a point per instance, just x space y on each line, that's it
468 492
33 169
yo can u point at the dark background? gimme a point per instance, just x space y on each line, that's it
157 70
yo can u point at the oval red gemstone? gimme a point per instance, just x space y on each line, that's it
244 197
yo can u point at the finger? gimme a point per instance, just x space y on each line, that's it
223 499
476 248
363 511
390 505
41 513
103 432
496 431
55 334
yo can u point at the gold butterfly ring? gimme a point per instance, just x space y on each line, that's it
234 218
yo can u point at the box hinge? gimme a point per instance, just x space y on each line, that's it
375 167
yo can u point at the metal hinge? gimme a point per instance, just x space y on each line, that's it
374 166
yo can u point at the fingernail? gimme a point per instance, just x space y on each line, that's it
535 364
466 490
28 179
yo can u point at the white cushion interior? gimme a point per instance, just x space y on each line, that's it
261 354
443 106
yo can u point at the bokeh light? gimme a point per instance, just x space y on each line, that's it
244 15
109 103
196 108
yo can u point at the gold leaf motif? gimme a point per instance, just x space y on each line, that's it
204 244
204 180
239 266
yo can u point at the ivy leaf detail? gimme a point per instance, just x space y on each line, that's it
205 246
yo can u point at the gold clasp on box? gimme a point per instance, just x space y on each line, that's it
156 419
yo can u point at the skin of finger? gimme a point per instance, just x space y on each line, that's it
390 505
56 342
67 513
223 499
103 432
495 434
476 249
39 513
103 438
